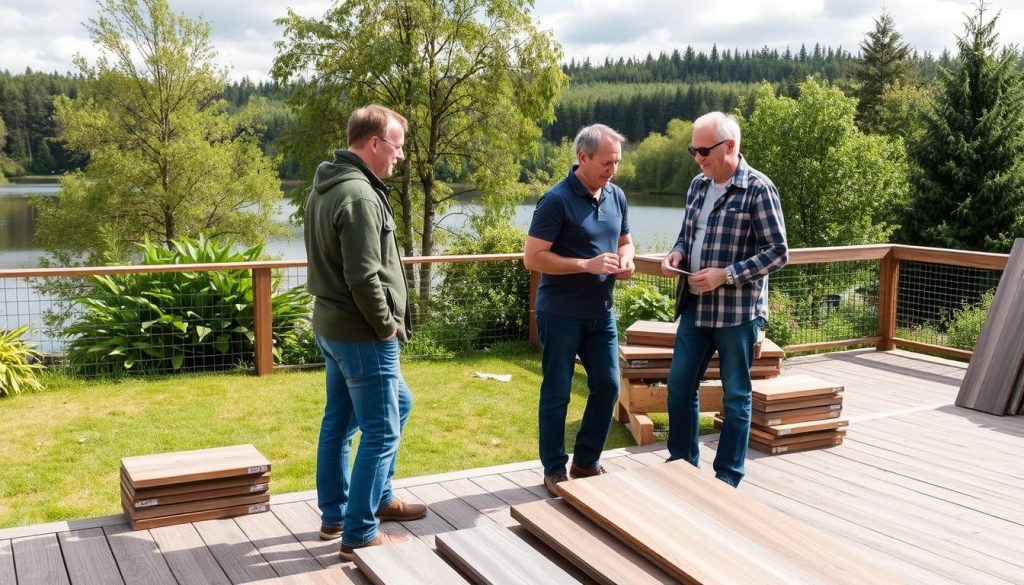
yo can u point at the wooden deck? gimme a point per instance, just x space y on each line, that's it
929 491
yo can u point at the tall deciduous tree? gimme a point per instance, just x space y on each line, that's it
837 186
885 63
165 159
474 78
968 181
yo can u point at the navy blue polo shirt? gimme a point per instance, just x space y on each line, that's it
579 227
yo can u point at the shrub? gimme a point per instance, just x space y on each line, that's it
782 323
640 301
966 323
19 364
160 322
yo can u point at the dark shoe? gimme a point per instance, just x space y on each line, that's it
348 553
398 510
330 532
551 481
576 472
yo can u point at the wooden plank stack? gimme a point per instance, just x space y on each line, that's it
189 486
795 413
994 381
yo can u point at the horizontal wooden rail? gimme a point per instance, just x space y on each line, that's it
983 260
823 345
930 348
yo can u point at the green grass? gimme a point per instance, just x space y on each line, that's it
61 448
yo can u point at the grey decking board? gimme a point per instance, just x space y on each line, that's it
138 556
234 552
493 555
38 561
187 556
481 500
7 576
407 562
88 558
304 524
285 554
450 507
504 489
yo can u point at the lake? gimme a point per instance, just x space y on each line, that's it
654 221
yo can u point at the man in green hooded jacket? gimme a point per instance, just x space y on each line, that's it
360 313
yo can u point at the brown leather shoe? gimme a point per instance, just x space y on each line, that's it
577 472
348 553
398 510
551 481
330 532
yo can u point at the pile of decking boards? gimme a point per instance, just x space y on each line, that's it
994 381
666 523
189 486
790 413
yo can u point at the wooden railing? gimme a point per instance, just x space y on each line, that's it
889 256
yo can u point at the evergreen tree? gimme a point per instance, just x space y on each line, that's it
885 63
969 176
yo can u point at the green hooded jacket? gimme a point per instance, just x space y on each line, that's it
355 270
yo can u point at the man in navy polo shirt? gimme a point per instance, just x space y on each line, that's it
579 241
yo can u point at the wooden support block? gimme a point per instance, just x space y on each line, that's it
642 428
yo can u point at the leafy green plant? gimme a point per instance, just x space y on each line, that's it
635 301
159 322
19 364
782 323
966 323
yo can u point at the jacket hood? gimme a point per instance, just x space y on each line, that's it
345 167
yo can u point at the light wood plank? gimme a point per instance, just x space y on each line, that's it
88 558
38 561
138 556
7 576
492 555
235 554
187 556
146 471
602 556
277 544
404 563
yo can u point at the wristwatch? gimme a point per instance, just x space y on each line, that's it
730 278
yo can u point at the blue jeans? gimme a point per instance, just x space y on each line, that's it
693 350
365 391
596 342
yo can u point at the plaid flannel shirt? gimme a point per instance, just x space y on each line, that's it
745 232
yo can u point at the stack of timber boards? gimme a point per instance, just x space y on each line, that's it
648 353
795 413
994 381
700 530
189 486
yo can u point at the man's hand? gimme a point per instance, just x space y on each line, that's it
708 279
603 264
626 268
672 260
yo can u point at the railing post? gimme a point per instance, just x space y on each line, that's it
888 286
262 321
534 285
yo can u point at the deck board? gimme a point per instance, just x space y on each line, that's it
925 490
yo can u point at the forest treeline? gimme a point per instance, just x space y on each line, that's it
637 96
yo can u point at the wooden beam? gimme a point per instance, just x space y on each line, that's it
263 327
961 354
982 260
532 318
888 287
822 345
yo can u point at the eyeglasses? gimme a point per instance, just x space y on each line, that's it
393 145
704 150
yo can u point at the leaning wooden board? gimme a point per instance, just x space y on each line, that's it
187 466
702 531
999 353
493 555
592 549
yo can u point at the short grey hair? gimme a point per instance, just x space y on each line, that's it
726 126
588 139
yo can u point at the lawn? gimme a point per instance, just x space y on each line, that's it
60 449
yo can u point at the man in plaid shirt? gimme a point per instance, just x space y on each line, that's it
732 238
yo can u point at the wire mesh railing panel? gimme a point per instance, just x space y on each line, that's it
945 305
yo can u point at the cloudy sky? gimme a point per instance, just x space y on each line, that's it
45 34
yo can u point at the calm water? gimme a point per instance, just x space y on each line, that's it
654 221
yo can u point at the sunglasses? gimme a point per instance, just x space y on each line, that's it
704 150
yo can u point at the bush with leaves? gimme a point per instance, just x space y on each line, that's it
159 322
782 322
478 303
640 301
965 326
19 364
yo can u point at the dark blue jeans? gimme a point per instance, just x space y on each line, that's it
693 350
596 342
365 391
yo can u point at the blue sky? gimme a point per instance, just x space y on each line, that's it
45 34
